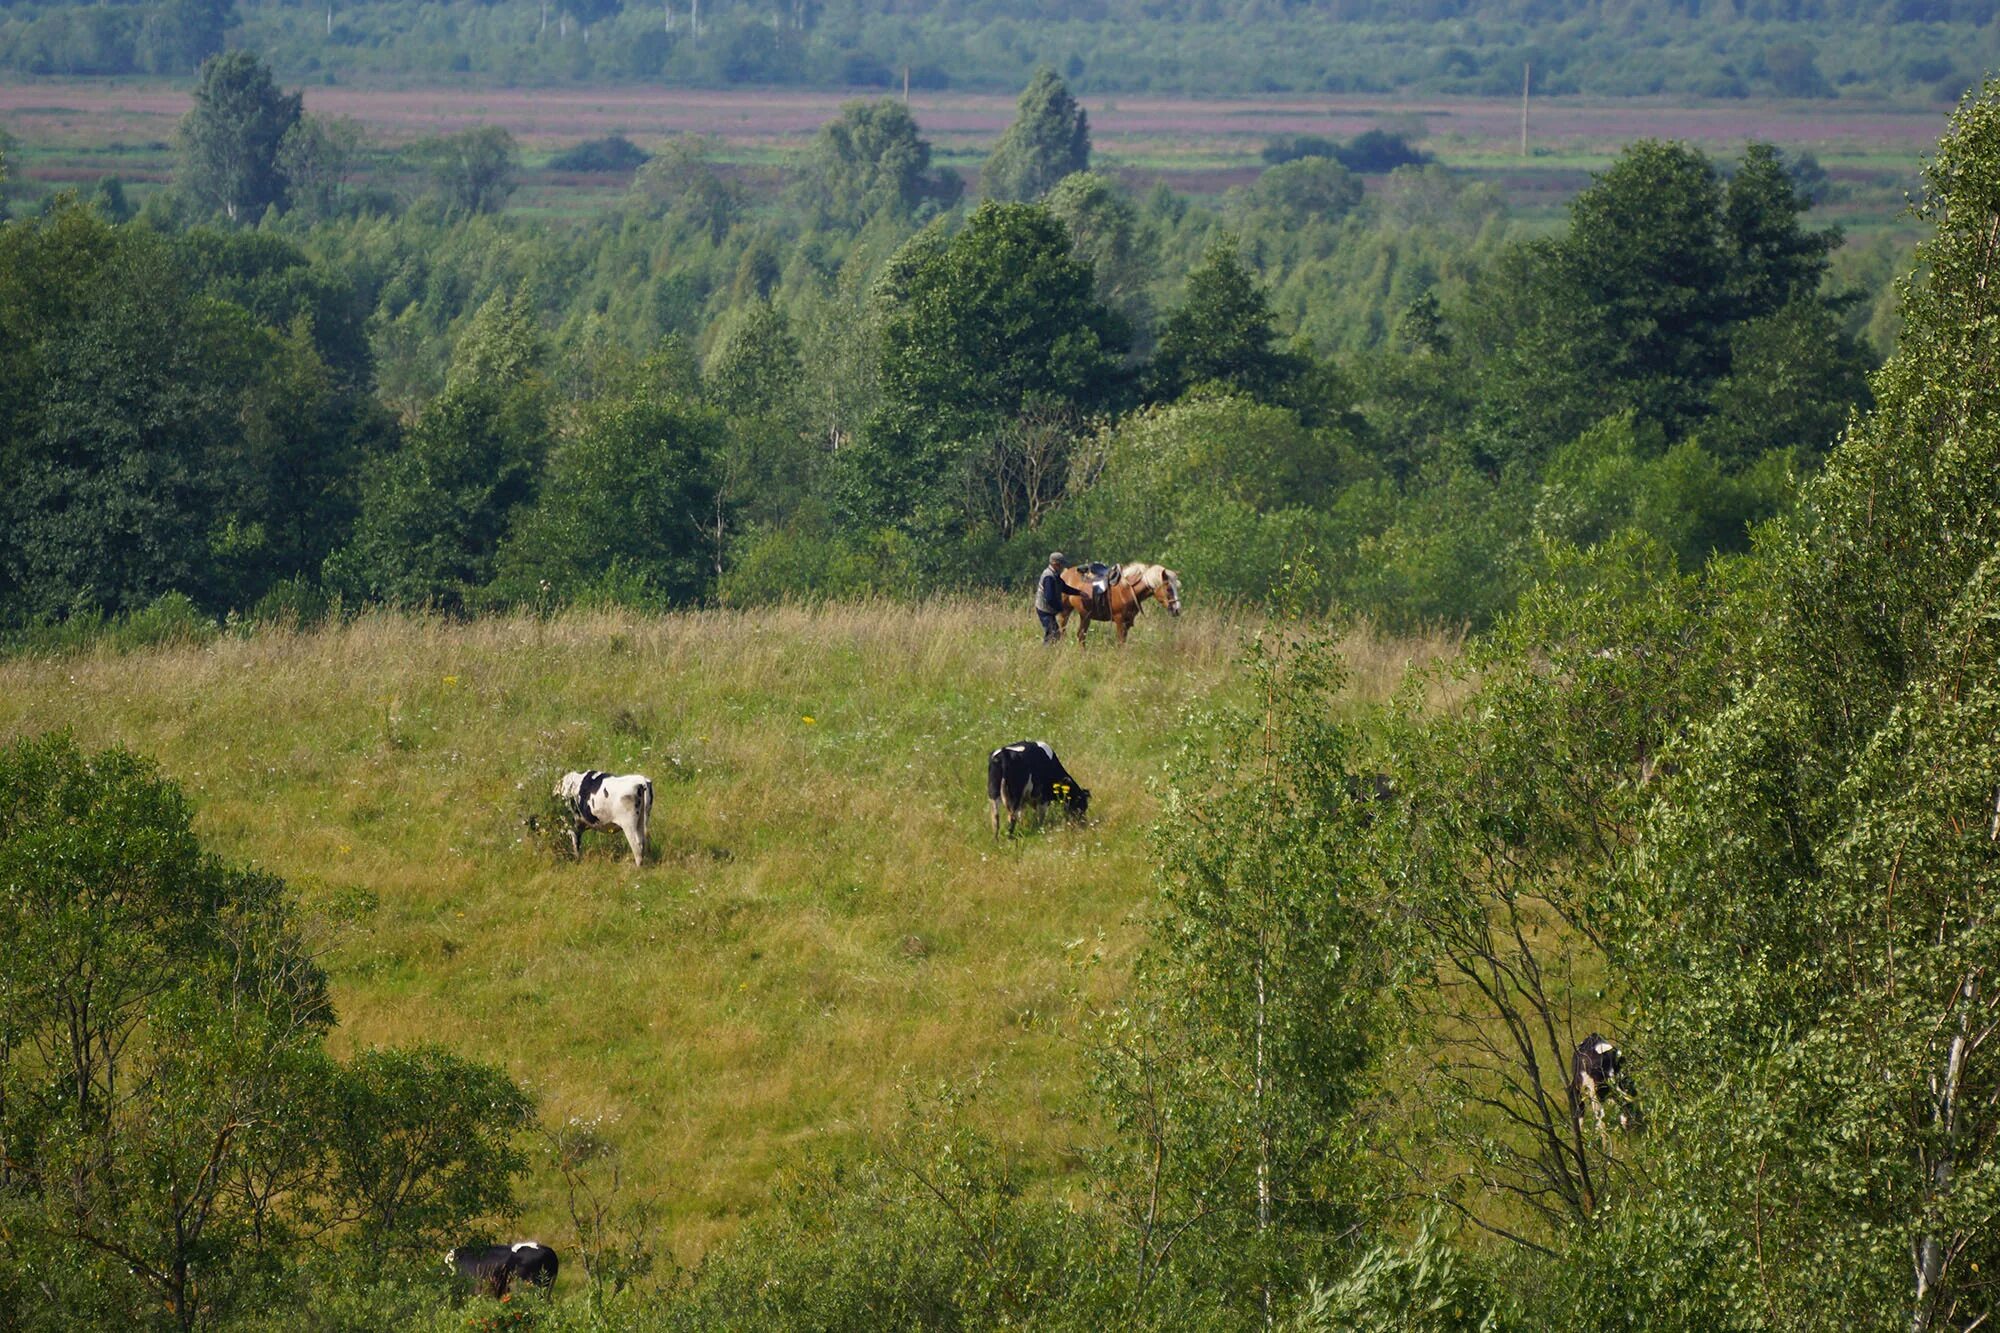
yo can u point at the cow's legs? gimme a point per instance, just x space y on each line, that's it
635 840
576 839
996 818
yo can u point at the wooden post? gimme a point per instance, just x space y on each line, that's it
1526 67
906 85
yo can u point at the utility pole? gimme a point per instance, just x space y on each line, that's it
1526 68
906 85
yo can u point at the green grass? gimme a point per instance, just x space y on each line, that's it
828 917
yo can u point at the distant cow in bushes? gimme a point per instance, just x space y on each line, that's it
491 1269
1028 773
1597 1079
596 800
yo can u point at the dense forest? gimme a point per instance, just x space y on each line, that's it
1905 49
699 396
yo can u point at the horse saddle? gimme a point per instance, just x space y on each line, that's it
1103 578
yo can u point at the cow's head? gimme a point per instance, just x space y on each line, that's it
1076 803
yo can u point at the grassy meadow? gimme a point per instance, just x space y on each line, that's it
827 919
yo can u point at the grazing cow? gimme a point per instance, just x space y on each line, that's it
1597 1076
1028 773
596 799
491 1269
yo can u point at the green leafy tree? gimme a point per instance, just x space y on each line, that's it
1236 1071
433 513
683 181
179 35
1049 139
628 508
160 436
1312 189
316 156
151 1000
869 160
420 1141
472 171
1110 236
999 320
1222 333
230 137
1639 303
1514 831
1817 954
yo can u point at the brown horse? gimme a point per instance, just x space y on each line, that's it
1120 604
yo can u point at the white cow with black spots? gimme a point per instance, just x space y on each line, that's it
599 800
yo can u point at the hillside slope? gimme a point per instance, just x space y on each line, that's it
828 918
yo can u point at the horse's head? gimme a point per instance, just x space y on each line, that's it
1170 590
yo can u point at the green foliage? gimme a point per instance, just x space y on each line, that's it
998 321
936 1232
1838 815
1643 301
1371 152
433 513
1049 139
1234 1071
1312 189
627 498
1222 334
871 161
316 156
230 138
159 438
613 152
176 1136
1420 1287
472 171
1111 237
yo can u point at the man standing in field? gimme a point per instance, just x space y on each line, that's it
1048 596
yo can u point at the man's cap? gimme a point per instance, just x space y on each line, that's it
1058 558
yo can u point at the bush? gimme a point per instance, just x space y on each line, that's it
614 152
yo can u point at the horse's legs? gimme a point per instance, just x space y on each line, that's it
1123 626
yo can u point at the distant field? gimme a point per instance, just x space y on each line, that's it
76 131
829 917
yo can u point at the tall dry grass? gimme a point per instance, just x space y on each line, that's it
828 915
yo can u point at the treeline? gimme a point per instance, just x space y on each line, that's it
699 397
1912 49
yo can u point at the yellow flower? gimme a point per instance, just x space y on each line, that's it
450 681
808 720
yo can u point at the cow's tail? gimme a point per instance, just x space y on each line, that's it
993 776
646 798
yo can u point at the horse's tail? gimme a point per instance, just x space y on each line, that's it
993 776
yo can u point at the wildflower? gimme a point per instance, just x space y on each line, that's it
808 720
450 682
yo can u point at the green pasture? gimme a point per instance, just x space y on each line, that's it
828 918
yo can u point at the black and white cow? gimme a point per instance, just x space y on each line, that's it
599 800
491 1269
1597 1077
1028 773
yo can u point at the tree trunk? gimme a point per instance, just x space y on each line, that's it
1929 1250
